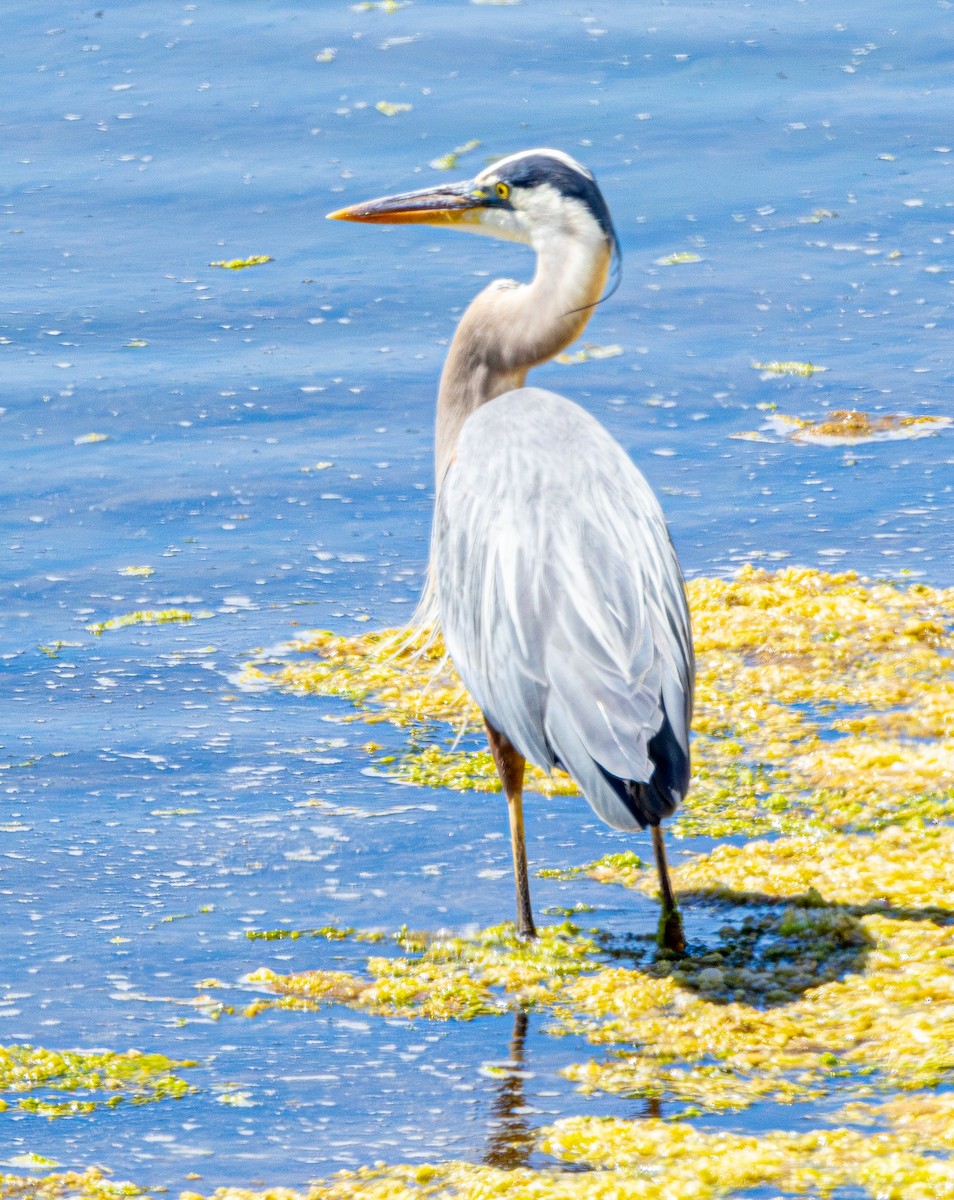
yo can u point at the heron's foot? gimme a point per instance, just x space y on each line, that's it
526 932
670 935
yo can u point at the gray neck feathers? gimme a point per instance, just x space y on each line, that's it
510 328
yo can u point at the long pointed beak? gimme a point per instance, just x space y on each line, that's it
447 204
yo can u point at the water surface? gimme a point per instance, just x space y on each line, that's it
266 449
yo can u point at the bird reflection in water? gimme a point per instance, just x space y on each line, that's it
512 1140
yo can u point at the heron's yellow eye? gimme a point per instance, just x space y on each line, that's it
503 192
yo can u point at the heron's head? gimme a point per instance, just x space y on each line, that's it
536 196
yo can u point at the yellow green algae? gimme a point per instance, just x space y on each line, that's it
444 977
160 616
240 264
36 1080
679 258
390 108
843 969
825 980
614 1159
822 699
805 369
449 161
817 216
90 1184
825 709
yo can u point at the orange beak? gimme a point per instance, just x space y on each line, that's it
443 205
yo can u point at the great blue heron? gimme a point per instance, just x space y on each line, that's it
560 596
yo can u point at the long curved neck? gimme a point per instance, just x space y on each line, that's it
510 328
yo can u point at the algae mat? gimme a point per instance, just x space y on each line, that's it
823 777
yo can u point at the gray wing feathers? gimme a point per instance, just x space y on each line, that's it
561 599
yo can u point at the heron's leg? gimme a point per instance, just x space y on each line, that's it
510 764
671 935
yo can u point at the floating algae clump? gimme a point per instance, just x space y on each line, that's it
820 698
161 616
239 264
92 1078
849 426
445 977
675 1160
90 1184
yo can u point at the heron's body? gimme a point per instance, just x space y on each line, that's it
560 596
557 584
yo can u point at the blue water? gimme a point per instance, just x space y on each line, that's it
145 797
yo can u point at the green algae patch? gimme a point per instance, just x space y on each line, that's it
444 978
805 369
159 616
700 1052
36 1080
902 870
240 264
823 731
331 933
90 1184
841 973
390 108
927 1116
396 676
907 870
449 161
676 1160
678 259
823 700
833 974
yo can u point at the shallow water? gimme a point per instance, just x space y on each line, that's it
267 452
